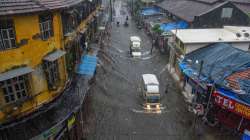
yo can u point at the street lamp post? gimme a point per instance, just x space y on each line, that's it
196 91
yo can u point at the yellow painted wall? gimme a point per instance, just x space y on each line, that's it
31 54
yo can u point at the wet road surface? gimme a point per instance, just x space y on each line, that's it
117 112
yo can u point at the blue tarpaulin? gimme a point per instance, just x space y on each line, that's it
246 135
220 61
150 11
87 65
166 27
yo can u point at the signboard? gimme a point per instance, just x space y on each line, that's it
232 105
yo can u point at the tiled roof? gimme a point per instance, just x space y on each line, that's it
10 7
233 79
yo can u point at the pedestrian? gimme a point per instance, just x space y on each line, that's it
153 43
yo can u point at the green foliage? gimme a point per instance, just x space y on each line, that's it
157 29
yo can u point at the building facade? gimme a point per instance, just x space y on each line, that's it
33 70
41 44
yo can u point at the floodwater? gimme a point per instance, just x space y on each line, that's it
117 111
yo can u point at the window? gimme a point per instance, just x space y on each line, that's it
15 88
227 12
182 45
7 35
52 73
46 26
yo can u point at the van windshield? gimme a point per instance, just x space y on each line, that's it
136 49
153 99
150 100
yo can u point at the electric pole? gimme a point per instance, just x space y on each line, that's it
111 10
132 6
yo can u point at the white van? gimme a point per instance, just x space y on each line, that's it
151 91
135 46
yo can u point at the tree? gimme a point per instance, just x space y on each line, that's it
157 29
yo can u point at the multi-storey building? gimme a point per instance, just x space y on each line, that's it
40 44
33 70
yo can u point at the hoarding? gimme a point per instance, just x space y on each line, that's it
232 105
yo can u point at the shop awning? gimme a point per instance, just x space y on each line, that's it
88 65
15 72
54 55
150 11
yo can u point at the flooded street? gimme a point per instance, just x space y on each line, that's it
116 104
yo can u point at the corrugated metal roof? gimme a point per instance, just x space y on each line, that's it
15 72
185 9
208 1
220 60
54 55
188 9
11 7
241 1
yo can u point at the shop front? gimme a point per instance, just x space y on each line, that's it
231 111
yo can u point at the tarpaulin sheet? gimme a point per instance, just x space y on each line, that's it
87 65
246 135
150 11
166 27
220 60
